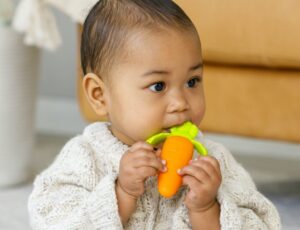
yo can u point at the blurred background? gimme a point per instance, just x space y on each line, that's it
234 118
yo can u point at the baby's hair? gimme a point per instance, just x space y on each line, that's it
111 22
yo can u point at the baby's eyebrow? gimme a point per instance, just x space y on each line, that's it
164 72
198 66
153 72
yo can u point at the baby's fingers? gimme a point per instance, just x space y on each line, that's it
196 172
210 165
145 172
149 159
141 145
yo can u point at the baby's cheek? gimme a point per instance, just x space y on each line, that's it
140 131
200 112
198 117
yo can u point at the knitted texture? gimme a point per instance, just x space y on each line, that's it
78 191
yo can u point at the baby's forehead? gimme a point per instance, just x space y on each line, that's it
159 50
145 38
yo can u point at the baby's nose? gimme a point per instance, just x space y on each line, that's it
178 103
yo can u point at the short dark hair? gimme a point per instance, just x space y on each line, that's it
110 22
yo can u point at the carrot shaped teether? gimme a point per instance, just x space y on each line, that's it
177 150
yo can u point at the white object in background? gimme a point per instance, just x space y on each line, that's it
37 22
6 12
18 89
76 9
35 19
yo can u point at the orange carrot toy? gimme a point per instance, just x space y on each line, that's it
177 151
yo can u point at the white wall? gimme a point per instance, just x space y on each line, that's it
57 109
58 68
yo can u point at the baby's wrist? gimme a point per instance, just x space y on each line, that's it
120 189
207 217
126 203
205 208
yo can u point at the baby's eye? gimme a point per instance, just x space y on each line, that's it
193 82
158 87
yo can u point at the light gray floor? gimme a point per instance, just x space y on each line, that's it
13 200
278 178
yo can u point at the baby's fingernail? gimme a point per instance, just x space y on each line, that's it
191 161
179 171
164 162
204 158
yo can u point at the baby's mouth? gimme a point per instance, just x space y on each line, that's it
167 130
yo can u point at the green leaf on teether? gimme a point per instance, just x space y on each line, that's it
188 130
156 139
200 148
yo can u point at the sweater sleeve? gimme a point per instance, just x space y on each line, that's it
71 195
242 205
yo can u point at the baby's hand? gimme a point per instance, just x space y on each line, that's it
137 164
203 177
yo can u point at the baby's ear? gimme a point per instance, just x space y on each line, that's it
94 89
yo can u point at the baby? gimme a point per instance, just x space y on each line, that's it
144 72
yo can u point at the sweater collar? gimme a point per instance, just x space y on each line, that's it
103 141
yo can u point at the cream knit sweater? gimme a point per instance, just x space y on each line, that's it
78 191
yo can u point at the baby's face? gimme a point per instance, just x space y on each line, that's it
157 85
